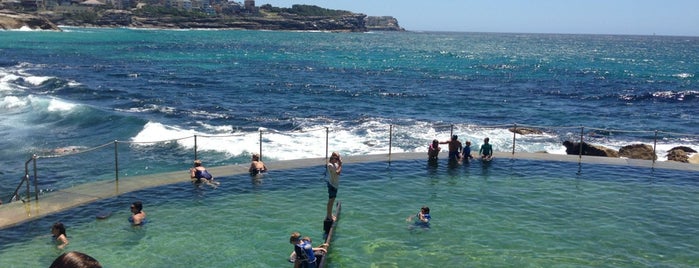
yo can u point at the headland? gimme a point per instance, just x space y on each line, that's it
48 14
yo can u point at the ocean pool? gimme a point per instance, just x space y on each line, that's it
505 213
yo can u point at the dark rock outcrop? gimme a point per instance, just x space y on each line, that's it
638 151
683 148
525 130
382 23
588 149
678 155
10 20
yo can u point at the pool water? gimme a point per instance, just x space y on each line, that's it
505 213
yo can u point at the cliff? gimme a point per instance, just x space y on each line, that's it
10 20
351 22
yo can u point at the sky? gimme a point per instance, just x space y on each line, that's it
628 17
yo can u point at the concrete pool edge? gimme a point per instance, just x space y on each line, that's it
16 213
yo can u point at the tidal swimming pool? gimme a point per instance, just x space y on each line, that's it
506 213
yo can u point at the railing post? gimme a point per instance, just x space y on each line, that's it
116 160
655 142
195 147
514 138
390 142
26 176
260 144
36 183
327 134
582 130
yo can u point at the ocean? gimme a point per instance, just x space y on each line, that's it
85 88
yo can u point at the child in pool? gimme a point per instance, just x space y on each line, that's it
58 230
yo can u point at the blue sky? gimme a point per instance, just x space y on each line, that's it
635 17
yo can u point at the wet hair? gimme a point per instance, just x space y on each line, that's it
256 156
294 237
138 205
60 227
197 163
454 137
425 209
74 259
486 139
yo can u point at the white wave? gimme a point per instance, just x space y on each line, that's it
37 80
683 75
57 105
13 103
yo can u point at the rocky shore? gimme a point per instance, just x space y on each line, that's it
682 154
10 20
120 18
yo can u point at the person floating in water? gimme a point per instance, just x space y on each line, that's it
139 216
58 230
486 150
422 218
433 150
257 166
454 148
199 174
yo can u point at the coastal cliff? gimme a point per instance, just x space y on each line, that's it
350 22
10 20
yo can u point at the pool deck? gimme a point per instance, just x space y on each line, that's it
16 213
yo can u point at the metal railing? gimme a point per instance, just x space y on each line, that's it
26 179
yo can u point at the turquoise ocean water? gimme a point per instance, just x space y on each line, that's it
83 88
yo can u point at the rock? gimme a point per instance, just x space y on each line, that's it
638 151
678 155
525 131
694 159
683 148
587 149
382 23
13 21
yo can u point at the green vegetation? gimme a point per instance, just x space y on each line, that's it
84 16
159 11
306 10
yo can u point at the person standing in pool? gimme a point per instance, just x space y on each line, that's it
139 216
486 150
334 169
58 230
257 166
454 148
433 150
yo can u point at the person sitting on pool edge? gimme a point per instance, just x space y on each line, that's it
139 216
486 150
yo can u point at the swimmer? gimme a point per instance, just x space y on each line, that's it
199 174
58 230
139 216
257 166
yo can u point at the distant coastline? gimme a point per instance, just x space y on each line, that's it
298 18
